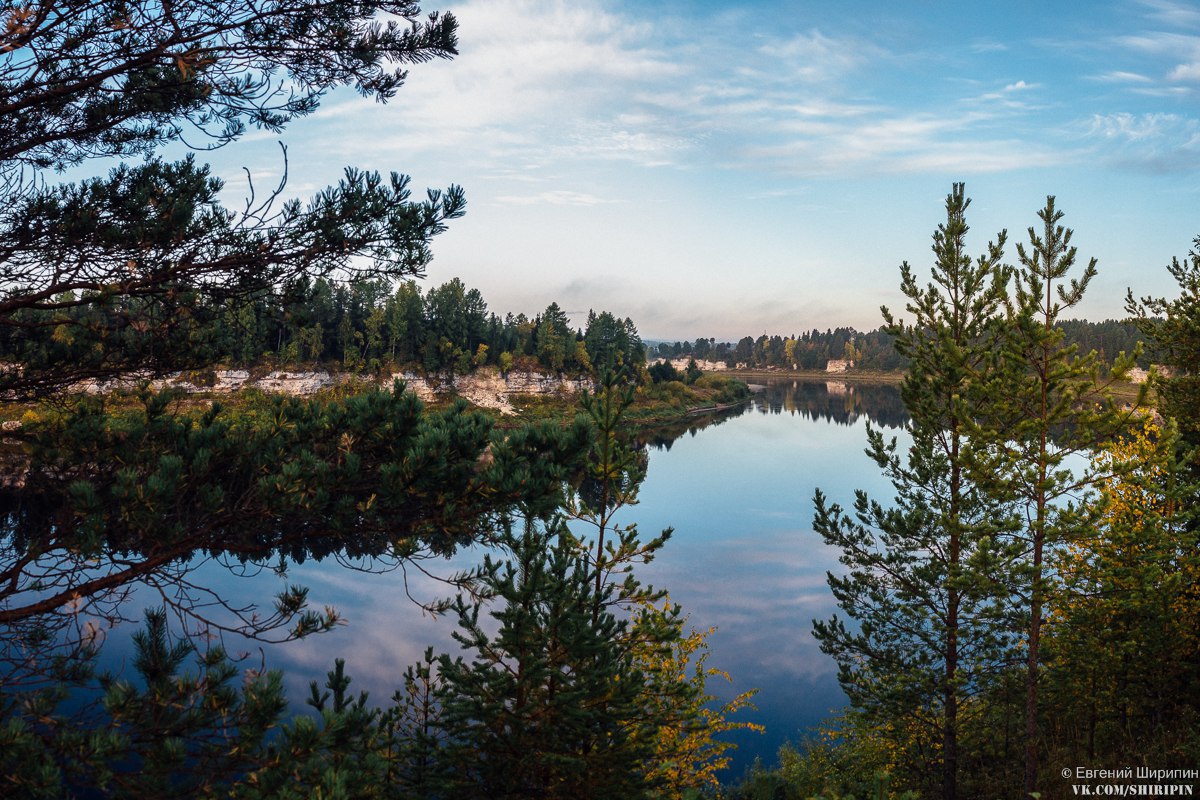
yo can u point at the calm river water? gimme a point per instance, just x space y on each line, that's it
738 493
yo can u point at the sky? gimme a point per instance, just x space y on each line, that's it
727 169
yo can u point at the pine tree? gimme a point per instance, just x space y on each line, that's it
135 274
1173 330
549 705
919 583
1051 404
613 472
128 272
555 339
583 689
171 732
115 499
1127 598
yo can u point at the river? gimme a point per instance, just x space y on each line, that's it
738 493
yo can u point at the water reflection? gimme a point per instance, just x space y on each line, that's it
840 402
745 558
843 402
737 488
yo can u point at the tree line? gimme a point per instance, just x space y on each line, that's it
875 350
366 325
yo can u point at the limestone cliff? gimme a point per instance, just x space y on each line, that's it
485 387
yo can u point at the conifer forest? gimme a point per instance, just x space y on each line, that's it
1023 600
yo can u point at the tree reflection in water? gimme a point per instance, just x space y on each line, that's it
838 401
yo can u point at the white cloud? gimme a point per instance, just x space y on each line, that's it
984 46
1189 73
546 88
1130 127
1169 45
1010 96
528 71
980 157
1166 62
889 142
557 86
1177 49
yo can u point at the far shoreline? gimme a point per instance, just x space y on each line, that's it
1121 390
857 376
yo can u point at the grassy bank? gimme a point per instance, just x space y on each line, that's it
653 404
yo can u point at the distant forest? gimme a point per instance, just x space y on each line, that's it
367 324
873 350
370 324
448 329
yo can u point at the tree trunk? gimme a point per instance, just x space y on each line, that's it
950 723
1031 678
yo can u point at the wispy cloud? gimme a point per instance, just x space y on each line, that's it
1130 127
814 57
1178 15
554 198
551 84
1155 142
1119 76
530 72
1019 96
987 46
1177 53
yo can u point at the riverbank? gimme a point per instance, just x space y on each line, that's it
654 404
852 376
513 397
1123 391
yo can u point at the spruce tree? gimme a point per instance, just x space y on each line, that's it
919 584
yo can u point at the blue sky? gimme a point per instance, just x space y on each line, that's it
724 169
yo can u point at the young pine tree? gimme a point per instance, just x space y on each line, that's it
579 686
919 582
1051 404
550 704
